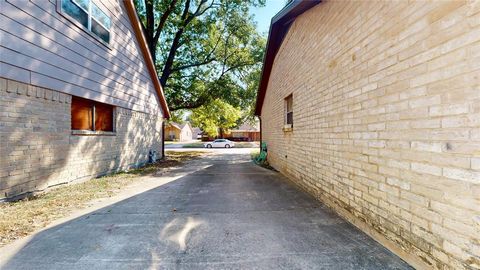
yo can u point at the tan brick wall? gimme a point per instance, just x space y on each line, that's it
386 102
38 149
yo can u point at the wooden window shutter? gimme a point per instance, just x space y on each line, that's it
82 114
91 115
103 117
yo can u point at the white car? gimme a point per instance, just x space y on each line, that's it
223 143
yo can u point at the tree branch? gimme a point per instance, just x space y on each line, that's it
192 105
150 22
176 43
151 31
193 65
235 67
185 10
198 13
174 47
163 20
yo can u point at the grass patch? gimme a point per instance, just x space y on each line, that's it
193 145
21 218
246 145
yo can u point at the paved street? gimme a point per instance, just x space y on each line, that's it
224 213
196 144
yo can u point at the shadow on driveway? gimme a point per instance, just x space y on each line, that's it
232 214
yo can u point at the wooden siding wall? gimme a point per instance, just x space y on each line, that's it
251 135
41 47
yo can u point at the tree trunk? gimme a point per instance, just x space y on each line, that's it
150 27
153 32
167 69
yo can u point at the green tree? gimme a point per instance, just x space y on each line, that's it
178 116
215 117
252 82
203 49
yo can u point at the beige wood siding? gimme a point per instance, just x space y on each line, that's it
40 46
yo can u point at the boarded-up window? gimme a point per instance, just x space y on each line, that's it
82 114
91 115
103 117
289 110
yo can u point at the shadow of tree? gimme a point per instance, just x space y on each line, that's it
240 216
40 151
37 147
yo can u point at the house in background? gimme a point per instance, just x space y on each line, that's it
79 94
178 132
245 132
374 108
197 133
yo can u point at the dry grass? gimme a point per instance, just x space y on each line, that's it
21 218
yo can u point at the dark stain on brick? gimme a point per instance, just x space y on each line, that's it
448 146
332 64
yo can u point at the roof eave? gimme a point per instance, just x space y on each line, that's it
137 28
279 27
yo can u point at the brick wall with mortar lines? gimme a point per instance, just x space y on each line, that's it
386 104
38 149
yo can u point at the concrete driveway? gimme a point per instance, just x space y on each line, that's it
222 213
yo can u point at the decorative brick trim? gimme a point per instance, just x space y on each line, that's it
135 114
39 149
29 90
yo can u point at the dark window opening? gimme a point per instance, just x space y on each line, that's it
100 31
289 110
89 16
290 118
75 11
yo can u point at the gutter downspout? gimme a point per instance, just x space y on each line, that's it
260 120
163 139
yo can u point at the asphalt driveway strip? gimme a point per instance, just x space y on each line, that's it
231 214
